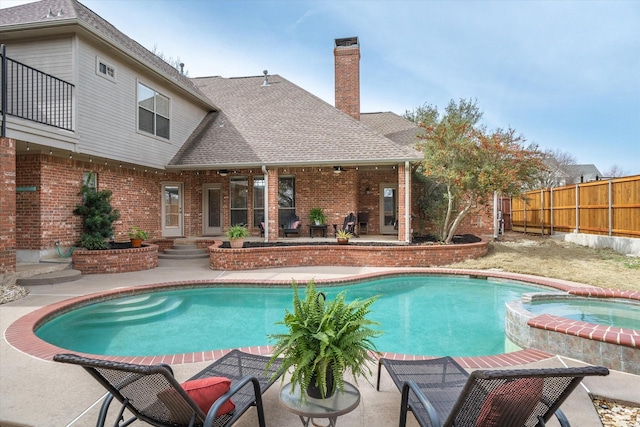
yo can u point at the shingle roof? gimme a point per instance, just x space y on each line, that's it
392 126
51 13
282 124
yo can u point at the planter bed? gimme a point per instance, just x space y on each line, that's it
125 259
279 254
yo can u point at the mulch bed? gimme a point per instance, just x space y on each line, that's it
417 241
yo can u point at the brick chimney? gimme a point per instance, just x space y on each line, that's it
347 66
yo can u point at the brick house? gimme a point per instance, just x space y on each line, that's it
183 156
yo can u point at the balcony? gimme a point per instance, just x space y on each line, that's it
33 95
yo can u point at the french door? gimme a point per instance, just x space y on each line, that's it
388 208
212 209
172 215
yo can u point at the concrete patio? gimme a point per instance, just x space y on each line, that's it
35 392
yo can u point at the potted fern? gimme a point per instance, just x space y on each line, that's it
317 216
325 339
236 235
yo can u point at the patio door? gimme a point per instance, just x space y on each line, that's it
388 209
172 216
212 209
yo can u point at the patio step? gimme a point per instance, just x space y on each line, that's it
53 278
184 252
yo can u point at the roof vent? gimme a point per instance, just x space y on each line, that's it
60 13
266 78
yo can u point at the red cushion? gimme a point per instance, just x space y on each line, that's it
511 403
205 391
295 225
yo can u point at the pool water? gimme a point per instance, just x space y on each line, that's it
427 315
608 312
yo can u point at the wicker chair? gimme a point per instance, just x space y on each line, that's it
154 396
291 226
440 392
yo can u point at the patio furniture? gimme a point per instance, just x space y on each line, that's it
440 392
292 225
153 395
322 228
363 222
308 410
349 224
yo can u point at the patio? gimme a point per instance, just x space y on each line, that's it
37 392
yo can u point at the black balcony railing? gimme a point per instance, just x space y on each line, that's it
33 95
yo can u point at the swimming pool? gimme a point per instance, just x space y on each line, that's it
431 315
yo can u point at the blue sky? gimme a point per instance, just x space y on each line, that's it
565 74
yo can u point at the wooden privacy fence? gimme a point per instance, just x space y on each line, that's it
607 207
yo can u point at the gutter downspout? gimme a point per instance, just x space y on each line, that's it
407 203
266 202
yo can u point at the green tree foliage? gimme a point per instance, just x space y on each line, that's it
471 162
98 217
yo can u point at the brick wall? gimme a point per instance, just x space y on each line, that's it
7 206
46 215
344 255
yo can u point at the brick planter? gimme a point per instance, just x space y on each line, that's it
115 260
344 255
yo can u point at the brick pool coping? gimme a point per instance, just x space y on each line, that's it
21 336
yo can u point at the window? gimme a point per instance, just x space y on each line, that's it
153 112
286 198
104 69
239 194
258 200
90 179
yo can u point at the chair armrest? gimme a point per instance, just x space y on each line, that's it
211 415
431 411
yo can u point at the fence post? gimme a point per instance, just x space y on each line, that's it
577 229
542 211
610 187
495 215
551 211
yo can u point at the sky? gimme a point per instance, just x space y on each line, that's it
563 74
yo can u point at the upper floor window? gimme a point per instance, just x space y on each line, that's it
153 112
104 69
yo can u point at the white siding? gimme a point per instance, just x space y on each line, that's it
107 111
52 56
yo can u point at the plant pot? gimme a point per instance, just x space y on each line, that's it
236 243
342 241
317 222
136 243
316 392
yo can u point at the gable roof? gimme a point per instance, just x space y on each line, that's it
581 173
281 124
392 126
58 15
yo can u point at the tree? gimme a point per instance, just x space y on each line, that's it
98 217
471 162
615 171
553 172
